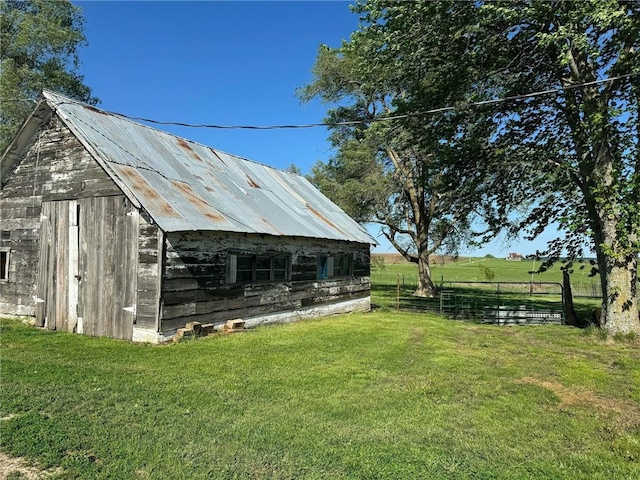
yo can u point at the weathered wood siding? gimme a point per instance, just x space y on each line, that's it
150 247
194 283
62 216
55 167
60 213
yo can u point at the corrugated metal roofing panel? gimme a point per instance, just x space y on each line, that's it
187 186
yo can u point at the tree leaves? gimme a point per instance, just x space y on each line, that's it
569 159
419 177
39 45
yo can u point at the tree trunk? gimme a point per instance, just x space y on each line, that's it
426 288
620 297
617 258
571 318
618 278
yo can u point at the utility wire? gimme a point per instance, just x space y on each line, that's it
386 118
378 119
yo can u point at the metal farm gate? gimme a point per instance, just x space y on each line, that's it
502 303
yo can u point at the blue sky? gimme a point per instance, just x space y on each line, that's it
224 63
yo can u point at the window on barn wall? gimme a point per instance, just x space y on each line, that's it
257 268
334 266
343 266
4 264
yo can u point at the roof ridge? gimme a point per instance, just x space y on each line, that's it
164 132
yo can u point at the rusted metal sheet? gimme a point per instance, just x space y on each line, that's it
145 192
186 186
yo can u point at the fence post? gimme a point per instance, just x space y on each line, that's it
398 294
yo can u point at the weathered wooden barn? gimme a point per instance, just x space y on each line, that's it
109 227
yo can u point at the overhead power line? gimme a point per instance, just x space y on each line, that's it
381 118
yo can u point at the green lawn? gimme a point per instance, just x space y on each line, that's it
370 396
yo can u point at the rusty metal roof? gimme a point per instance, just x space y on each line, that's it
185 186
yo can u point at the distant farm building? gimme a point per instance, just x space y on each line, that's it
514 257
112 228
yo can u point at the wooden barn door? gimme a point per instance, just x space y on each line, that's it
88 266
108 266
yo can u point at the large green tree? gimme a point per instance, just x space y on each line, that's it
574 153
39 42
417 176
569 158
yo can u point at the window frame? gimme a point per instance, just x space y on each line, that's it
256 270
334 266
4 269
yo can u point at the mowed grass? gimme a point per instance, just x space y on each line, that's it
363 396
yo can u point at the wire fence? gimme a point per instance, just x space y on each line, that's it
487 302
590 289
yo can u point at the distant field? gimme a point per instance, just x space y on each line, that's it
482 269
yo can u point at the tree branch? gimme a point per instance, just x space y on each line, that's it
402 251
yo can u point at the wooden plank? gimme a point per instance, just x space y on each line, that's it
72 275
214 272
90 281
109 324
184 284
177 298
49 289
62 265
148 274
148 256
119 255
20 223
15 288
101 317
43 266
82 266
130 270
19 236
162 253
146 315
147 284
16 202
50 299
331 299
